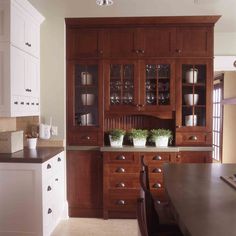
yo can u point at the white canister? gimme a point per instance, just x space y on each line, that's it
87 99
191 99
191 120
86 119
44 131
86 78
191 76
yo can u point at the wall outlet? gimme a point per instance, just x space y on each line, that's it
54 130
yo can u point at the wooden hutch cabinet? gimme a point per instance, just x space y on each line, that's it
134 72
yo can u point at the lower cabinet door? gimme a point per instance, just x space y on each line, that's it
84 183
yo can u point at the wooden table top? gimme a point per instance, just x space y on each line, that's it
204 205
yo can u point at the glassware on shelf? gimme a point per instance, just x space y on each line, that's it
151 71
150 98
128 98
128 84
115 98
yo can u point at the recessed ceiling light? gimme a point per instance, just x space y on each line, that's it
104 2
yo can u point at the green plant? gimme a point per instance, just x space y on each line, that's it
154 133
115 134
138 133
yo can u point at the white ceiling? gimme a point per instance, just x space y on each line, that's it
88 8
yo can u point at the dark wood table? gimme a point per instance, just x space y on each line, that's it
203 204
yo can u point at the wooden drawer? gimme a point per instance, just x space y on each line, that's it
123 169
87 138
159 196
156 157
193 138
120 157
129 181
120 199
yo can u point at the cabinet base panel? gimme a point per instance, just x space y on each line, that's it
81 212
120 215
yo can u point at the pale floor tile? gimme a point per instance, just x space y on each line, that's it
96 227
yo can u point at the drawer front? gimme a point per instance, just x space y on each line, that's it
193 138
119 200
156 158
129 181
123 169
120 157
87 138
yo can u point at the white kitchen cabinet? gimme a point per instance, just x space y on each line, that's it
34 197
19 58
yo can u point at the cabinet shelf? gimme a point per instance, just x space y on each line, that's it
188 106
194 85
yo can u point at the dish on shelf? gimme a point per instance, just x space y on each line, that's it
191 76
191 120
191 99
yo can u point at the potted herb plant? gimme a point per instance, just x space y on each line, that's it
161 137
116 137
139 137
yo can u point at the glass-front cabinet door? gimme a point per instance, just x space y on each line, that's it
86 95
121 85
157 85
84 99
194 95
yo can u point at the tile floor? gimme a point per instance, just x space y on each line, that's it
96 227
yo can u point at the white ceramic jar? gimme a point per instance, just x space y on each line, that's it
87 99
191 120
86 78
191 99
191 76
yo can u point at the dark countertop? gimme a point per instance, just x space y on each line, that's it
204 205
38 155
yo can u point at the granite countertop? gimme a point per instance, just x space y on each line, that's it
38 155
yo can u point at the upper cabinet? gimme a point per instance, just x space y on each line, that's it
194 41
20 60
84 43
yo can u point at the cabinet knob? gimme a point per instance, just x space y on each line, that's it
120 158
193 138
32 103
120 185
120 202
178 50
157 170
58 159
120 170
56 179
157 158
178 156
141 51
157 185
22 103
37 104
101 52
158 202
49 188
16 103
49 166
49 210
27 103
178 126
137 51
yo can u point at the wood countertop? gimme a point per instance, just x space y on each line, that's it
38 155
204 205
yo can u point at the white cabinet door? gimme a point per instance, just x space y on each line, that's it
18 27
18 72
24 31
31 83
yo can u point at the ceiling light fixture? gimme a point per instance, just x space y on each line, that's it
104 2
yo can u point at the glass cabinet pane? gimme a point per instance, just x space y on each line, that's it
86 95
193 95
121 84
157 84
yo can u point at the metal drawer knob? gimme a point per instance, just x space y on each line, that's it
120 170
157 185
157 158
120 185
157 170
120 158
121 202
158 202
58 159
49 166
193 138
49 188
49 210
57 179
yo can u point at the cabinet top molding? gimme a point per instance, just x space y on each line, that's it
139 21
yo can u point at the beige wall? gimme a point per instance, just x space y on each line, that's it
53 34
229 124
